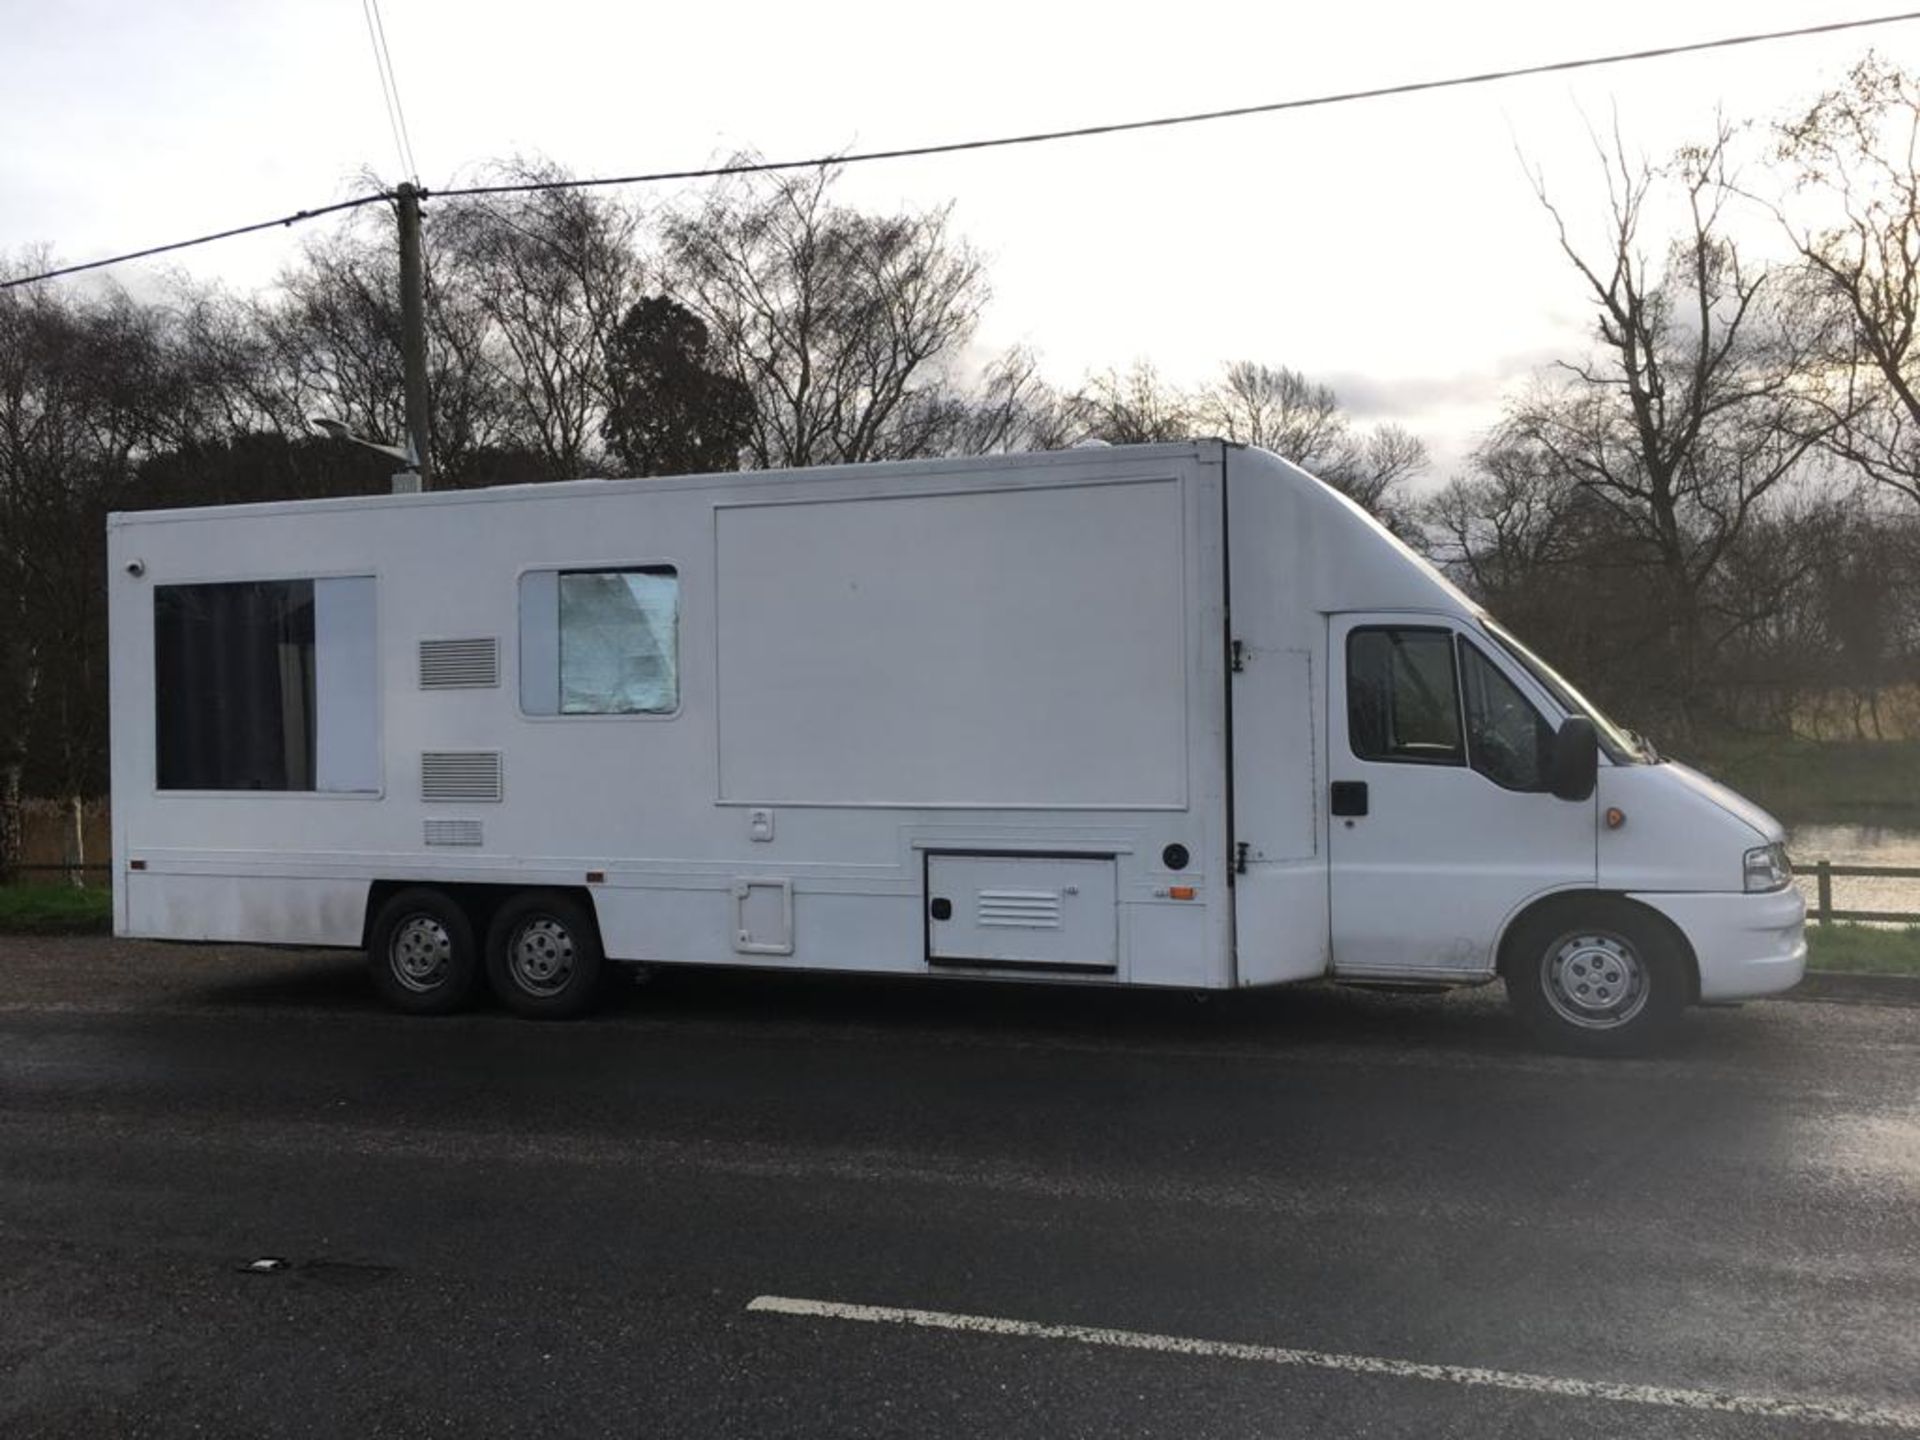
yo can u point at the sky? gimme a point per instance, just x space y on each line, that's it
1392 248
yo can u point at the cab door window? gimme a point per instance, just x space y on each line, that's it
1422 695
1403 695
1508 741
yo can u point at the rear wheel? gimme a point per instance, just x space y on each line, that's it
543 956
1602 978
422 953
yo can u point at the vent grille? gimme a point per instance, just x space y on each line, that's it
460 775
453 832
459 664
1019 909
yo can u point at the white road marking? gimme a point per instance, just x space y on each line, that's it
1840 1412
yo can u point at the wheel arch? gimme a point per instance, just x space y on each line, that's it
1572 902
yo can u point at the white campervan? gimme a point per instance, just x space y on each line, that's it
1172 715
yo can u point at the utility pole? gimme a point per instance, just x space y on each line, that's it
413 326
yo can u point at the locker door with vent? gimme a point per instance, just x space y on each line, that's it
1043 912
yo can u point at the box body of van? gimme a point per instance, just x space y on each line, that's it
1167 715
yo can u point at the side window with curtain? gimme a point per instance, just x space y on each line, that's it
600 642
1403 700
266 685
1508 741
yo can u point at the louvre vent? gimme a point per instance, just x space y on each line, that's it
459 664
1019 909
460 775
453 832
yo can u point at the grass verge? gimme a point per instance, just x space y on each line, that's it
54 910
1818 781
1864 949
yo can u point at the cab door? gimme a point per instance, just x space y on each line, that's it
1441 823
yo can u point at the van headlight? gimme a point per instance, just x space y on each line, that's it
1767 868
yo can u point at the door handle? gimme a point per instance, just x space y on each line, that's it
1349 797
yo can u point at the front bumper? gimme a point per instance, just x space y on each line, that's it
1746 945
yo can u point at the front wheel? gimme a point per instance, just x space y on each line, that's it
543 956
1598 979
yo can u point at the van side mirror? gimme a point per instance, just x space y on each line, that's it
1573 769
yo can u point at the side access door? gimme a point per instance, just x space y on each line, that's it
1441 823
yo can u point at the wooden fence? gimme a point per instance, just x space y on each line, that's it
1822 910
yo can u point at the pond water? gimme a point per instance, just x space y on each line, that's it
1858 845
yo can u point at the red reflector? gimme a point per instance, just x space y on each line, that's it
596 877
136 864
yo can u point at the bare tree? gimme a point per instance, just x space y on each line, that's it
841 323
1855 154
1012 407
325 339
1281 410
1137 407
87 391
1505 524
1690 412
1276 408
552 273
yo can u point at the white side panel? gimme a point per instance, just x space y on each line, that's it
1276 802
1022 910
278 911
1013 649
1280 896
1172 942
346 685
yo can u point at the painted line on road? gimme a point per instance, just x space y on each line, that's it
1841 1412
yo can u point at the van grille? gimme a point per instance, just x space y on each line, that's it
453 832
1019 909
459 664
460 775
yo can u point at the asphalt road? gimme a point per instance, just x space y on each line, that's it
1314 1212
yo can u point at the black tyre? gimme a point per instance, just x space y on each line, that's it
1598 978
543 956
422 953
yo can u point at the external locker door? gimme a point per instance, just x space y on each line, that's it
1023 911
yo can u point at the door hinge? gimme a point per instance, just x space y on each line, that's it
1240 850
1237 658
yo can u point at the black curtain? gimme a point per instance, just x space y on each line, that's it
234 685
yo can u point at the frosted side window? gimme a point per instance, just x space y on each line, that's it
600 642
618 638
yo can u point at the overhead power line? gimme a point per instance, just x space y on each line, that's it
390 87
757 167
386 90
1341 97
296 218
